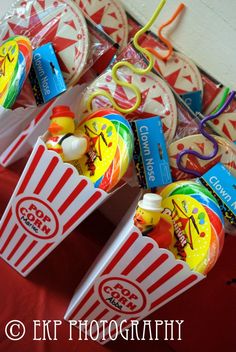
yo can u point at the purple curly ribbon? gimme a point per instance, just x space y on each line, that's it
208 136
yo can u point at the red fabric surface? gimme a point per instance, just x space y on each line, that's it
208 309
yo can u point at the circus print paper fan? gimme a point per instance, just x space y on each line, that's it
181 73
157 98
110 15
226 155
225 124
60 22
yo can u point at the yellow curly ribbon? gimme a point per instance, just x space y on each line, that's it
133 68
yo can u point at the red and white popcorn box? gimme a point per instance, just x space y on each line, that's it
132 278
50 200
23 139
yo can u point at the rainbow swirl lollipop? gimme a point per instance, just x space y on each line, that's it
198 223
111 148
15 63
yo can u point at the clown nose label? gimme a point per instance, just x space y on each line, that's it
45 75
122 295
37 218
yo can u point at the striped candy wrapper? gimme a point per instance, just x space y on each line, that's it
50 200
131 279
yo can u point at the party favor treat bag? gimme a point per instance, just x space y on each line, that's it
134 276
67 47
52 197
50 200
160 249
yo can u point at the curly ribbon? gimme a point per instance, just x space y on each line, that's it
163 39
208 136
134 69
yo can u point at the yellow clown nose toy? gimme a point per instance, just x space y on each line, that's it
62 139
148 213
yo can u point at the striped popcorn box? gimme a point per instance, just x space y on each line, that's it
131 279
50 200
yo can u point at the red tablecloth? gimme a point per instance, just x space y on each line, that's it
208 309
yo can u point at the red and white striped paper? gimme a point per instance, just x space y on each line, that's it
50 200
142 276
